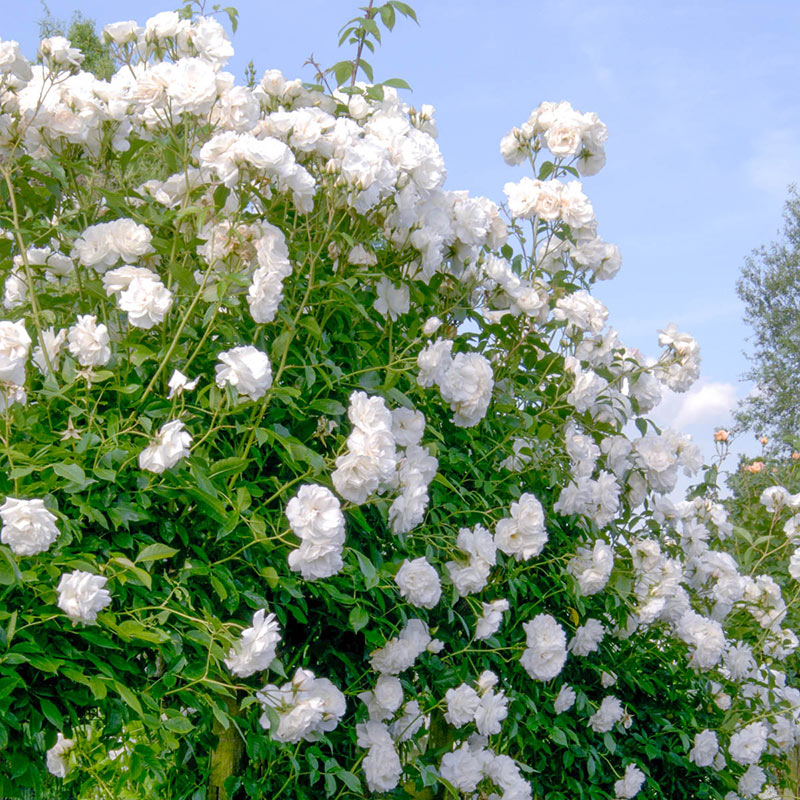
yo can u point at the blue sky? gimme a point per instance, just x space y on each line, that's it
701 100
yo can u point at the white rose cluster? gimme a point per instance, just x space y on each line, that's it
472 762
168 448
382 766
523 534
400 653
419 583
103 245
89 342
278 151
307 707
247 369
315 517
546 650
477 544
266 290
465 381
371 458
140 293
679 366
28 527
485 707
592 567
565 132
82 595
255 649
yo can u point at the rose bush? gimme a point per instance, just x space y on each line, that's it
321 477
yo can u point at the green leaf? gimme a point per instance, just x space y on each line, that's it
350 780
342 71
405 9
397 83
271 576
330 407
179 724
387 15
371 577
558 736
9 571
131 629
71 472
129 697
50 710
155 552
367 68
144 577
358 618
228 466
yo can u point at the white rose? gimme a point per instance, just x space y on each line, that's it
57 756
57 50
419 583
12 62
491 711
564 138
122 32
462 703
162 25
118 280
587 638
546 652
607 715
82 595
747 744
565 699
467 386
629 785
576 210
179 383
167 449
392 301
382 767
255 650
14 347
432 324
705 748
51 343
407 426
88 342
492 617
315 517
28 527
523 535
147 302
247 369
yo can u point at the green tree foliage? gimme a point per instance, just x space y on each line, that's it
770 290
82 33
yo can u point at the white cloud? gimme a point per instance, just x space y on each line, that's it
704 404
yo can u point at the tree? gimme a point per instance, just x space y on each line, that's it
83 35
318 477
769 287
